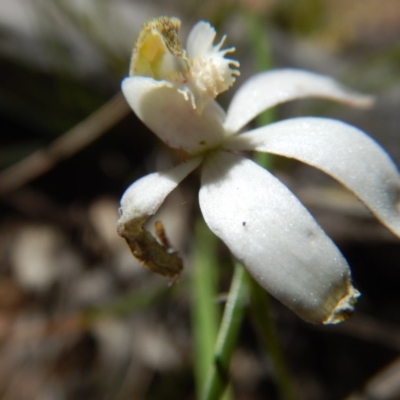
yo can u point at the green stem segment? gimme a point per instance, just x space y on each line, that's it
218 376
261 314
205 316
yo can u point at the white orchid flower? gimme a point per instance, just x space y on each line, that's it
264 225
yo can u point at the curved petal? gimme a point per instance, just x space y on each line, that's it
271 88
171 116
275 237
340 150
141 200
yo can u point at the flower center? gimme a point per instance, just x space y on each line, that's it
159 54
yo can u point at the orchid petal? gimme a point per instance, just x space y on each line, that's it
274 236
141 200
271 88
340 150
170 115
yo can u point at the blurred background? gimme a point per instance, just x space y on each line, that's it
79 317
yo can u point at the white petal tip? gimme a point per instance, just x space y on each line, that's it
362 101
344 308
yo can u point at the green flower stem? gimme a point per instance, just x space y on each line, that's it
260 310
205 315
218 376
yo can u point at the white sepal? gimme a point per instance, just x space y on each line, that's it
141 200
144 197
268 89
168 112
277 240
342 151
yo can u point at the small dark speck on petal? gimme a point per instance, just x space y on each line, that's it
311 234
244 223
